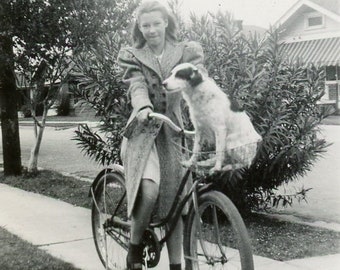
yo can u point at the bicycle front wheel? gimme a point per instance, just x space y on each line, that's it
215 237
109 202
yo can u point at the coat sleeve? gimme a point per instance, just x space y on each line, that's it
193 53
135 79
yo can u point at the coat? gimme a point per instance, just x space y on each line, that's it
144 76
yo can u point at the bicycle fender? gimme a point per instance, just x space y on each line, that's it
114 168
205 188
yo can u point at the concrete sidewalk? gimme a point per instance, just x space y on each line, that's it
64 231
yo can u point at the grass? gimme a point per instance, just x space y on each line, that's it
279 240
17 254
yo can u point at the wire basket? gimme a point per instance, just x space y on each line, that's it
241 156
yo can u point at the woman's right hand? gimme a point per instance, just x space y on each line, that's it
143 116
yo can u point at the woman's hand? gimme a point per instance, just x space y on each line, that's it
143 116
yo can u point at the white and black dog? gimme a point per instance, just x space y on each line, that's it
212 117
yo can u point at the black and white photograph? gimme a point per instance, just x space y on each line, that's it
170 134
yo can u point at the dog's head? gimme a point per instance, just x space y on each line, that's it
182 77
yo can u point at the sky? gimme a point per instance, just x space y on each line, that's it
261 13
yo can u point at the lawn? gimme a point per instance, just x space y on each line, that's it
279 240
17 254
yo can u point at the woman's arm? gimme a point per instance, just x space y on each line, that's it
134 78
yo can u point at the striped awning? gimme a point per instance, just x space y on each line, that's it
324 52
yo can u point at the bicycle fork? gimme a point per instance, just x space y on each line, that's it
198 221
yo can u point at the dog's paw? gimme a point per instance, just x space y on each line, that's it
216 168
189 163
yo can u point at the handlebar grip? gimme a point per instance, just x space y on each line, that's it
170 123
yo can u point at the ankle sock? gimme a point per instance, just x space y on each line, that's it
176 266
135 257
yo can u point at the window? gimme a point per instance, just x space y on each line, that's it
314 20
332 73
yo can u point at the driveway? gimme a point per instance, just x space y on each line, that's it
323 201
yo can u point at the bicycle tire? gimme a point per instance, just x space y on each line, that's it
111 243
201 250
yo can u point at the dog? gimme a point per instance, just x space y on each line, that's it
213 117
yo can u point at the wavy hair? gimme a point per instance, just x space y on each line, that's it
147 7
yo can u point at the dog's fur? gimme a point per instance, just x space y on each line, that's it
212 117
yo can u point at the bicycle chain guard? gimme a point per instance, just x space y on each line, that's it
152 248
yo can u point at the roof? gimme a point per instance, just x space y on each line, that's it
332 5
319 51
330 8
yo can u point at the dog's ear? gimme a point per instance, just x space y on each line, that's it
195 78
235 106
184 73
190 74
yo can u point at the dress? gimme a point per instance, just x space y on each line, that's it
144 76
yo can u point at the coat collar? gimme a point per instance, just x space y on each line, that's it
173 53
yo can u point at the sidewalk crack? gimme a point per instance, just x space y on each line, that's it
63 242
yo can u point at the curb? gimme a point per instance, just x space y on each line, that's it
332 226
61 124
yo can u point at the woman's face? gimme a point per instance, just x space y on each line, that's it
153 26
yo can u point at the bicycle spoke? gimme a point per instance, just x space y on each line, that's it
216 241
111 242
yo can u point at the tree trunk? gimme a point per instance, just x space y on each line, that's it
33 162
9 111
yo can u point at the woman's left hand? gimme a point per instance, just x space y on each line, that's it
143 116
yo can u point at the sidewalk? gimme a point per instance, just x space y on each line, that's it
64 231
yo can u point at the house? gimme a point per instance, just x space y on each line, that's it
311 35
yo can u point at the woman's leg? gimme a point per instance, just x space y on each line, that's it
140 218
146 198
144 205
174 244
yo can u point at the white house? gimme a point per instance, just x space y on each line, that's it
311 34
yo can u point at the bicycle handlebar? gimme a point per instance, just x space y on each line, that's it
170 123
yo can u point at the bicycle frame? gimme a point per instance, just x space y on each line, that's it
178 204
202 185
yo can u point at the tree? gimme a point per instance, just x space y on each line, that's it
46 35
9 113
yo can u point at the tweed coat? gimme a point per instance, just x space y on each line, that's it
144 76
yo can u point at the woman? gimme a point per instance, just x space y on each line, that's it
152 166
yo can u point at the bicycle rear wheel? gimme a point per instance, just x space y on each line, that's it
216 237
111 240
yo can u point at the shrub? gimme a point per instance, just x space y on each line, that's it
280 97
100 86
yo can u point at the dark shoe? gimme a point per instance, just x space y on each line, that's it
135 257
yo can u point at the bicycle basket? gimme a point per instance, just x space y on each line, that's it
235 157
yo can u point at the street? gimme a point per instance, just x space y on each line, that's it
58 152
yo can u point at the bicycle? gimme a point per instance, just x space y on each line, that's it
215 236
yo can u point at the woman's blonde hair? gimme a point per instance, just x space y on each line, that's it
147 7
